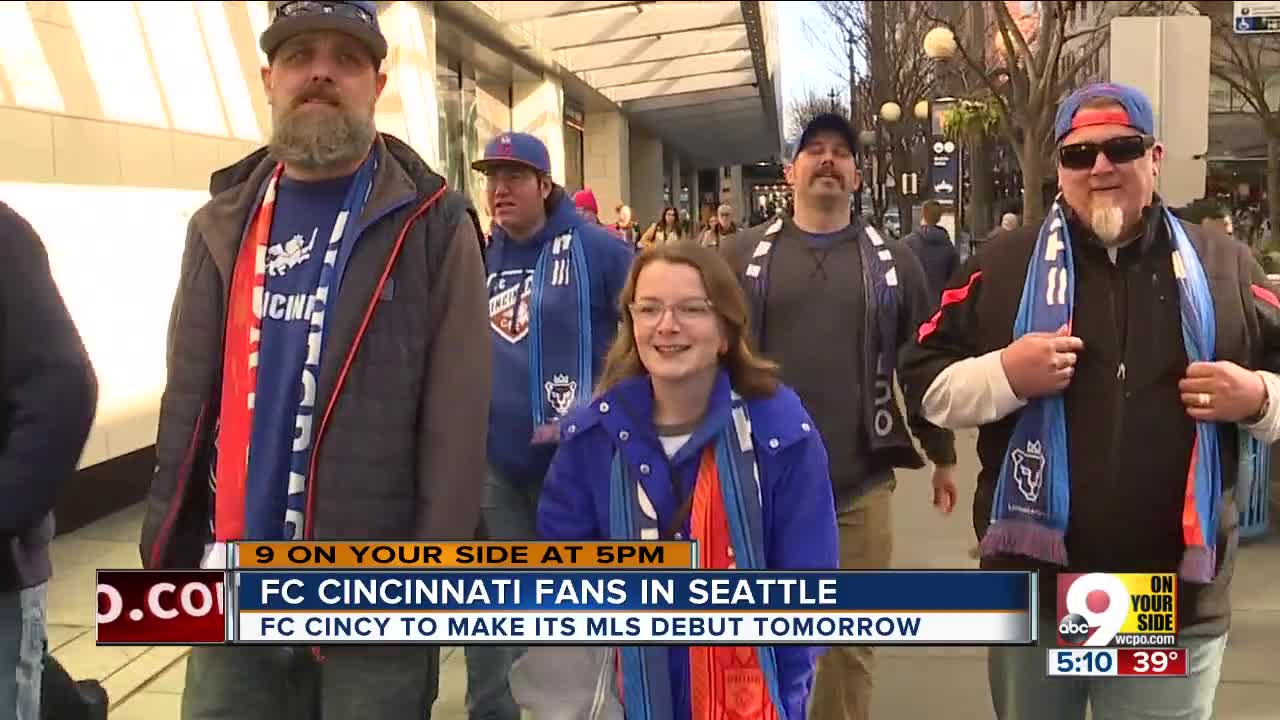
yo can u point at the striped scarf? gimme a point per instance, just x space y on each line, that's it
245 505
1032 502
727 522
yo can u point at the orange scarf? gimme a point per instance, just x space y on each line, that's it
727 682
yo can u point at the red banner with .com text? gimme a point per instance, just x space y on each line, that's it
161 607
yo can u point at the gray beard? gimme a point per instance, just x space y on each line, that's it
318 143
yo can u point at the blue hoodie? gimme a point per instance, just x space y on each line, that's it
507 262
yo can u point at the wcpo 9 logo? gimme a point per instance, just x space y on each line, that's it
1117 609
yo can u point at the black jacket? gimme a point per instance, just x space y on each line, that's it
48 396
937 254
1129 435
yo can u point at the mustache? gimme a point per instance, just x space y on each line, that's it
827 170
318 92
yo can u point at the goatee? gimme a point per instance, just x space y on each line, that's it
1107 223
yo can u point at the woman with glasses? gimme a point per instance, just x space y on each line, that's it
692 436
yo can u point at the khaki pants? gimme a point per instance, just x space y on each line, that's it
842 686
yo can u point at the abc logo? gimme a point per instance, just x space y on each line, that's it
1073 628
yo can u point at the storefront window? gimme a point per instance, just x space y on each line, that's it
488 103
573 161
449 98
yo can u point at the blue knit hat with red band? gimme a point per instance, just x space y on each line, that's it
1136 112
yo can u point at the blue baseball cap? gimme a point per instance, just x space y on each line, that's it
294 17
515 148
1136 112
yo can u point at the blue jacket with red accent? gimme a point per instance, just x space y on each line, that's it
798 507
1129 436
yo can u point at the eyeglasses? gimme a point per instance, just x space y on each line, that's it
1121 150
311 7
686 311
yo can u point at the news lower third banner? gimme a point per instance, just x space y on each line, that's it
566 607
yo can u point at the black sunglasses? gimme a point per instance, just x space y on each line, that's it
312 7
1121 150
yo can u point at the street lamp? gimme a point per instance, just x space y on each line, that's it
921 110
867 138
940 44
891 112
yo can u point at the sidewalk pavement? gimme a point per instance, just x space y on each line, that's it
146 683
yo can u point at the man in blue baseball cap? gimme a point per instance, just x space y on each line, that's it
554 281
328 366
1115 359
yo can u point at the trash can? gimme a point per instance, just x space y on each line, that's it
1253 485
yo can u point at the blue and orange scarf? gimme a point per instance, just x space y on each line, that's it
1033 491
247 506
727 521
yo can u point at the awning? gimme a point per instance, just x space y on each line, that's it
702 76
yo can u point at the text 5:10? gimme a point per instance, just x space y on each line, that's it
1085 662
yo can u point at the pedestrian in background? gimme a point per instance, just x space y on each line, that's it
667 230
933 248
722 227
624 226
48 398
1216 218
585 202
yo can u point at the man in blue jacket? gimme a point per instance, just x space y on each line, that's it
48 397
554 280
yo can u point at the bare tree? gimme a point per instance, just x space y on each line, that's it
811 105
1244 63
876 47
1035 60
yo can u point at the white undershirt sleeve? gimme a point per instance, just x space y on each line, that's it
1268 428
971 392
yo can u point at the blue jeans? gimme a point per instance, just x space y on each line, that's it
510 512
1021 691
22 644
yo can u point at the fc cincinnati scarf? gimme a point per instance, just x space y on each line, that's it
726 518
880 283
1033 491
246 504
560 365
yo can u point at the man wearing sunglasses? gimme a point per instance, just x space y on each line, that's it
328 373
1114 358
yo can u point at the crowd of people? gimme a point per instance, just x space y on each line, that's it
558 378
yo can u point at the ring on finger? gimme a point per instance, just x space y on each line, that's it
1203 399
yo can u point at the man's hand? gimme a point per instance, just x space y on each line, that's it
1039 364
944 488
1222 392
